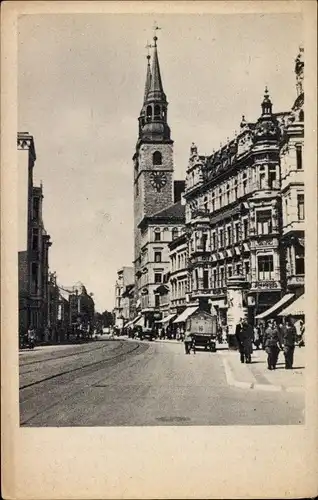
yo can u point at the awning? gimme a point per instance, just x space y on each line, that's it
284 300
135 321
166 319
185 314
296 308
139 321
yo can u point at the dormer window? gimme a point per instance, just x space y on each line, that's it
157 158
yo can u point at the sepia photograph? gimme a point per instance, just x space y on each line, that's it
159 250
161 220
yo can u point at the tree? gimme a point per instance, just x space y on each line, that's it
107 319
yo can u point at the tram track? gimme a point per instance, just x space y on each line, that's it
108 361
81 367
52 358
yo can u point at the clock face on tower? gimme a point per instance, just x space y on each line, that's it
158 180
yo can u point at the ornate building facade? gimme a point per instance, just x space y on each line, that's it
237 213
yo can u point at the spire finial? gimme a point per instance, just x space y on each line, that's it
148 46
155 38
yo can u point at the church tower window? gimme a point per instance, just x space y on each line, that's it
157 111
157 158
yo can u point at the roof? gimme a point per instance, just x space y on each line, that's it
177 210
173 214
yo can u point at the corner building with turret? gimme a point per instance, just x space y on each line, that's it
245 212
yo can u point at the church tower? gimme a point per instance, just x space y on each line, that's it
153 159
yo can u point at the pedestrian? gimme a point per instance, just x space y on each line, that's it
244 336
257 337
289 335
187 341
272 343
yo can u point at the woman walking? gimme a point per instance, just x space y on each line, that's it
272 344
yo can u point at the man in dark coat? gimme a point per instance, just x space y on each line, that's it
289 335
272 344
244 336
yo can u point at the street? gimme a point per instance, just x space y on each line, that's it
128 382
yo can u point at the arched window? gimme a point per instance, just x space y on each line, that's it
157 158
149 111
157 111
220 197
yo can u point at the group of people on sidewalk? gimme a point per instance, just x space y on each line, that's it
275 338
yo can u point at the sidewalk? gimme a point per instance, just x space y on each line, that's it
257 376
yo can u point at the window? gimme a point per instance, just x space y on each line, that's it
34 276
300 264
238 269
157 235
213 241
301 207
235 189
205 203
265 267
158 277
204 241
246 268
205 278
35 238
301 115
228 194
262 180
157 158
229 235
36 207
149 111
272 178
221 238
157 300
214 278
137 188
299 160
245 229
222 276
220 198
229 271
157 256
175 233
157 111
237 232
264 221
213 201
244 184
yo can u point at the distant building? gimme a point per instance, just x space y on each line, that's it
122 310
157 231
178 276
33 243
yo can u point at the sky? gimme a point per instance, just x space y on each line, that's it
80 89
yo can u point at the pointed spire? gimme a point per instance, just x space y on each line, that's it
148 75
156 89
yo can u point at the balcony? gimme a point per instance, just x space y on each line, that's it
296 280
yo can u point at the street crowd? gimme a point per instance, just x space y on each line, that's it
273 337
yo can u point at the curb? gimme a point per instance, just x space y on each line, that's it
251 385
